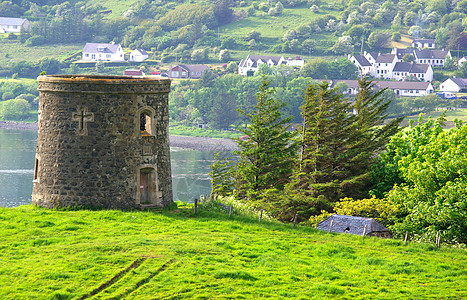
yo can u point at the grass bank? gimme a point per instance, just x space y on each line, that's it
173 254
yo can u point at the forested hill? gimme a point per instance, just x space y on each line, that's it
176 29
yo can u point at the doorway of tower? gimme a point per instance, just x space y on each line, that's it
147 186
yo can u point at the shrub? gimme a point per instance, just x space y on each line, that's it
396 37
14 109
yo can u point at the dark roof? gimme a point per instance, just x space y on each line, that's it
392 85
193 68
108 48
431 54
403 85
350 224
142 51
385 58
374 55
461 82
12 21
362 60
401 52
349 83
410 67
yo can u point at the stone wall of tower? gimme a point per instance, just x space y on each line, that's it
90 150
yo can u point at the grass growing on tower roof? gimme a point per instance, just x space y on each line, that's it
174 254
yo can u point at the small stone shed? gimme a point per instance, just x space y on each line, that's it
354 225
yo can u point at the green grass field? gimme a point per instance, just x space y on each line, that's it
47 254
14 51
451 115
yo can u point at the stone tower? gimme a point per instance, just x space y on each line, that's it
102 142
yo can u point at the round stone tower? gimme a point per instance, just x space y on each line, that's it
102 142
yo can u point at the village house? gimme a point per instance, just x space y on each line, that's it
138 55
404 70
424 43
434 58
400 88
187 71
384 65
453 85
251 63
461 61
104 52
14 25
363 65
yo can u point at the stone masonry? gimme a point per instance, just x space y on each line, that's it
102 142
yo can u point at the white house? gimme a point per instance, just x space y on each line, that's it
407 88
138 55
424 43
434 58
252 62
453 85
363 65
461 61
402 70
105 52
400 88
14 25
384 65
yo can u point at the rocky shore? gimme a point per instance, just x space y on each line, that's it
185 142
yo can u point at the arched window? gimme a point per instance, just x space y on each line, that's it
146 126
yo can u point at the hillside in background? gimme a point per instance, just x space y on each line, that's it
173 30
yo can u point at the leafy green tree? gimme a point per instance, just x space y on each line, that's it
408 58
266 156
434 196
343 45
14 109
378 41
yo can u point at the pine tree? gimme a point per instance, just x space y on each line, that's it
371 132
266 156
221 176
327 140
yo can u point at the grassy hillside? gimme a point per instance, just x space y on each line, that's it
175 255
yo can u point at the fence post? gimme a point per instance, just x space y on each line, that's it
330 225
364 231
230 210
260 214
294 220
438 239
196 206
405 239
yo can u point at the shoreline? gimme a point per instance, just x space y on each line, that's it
184 142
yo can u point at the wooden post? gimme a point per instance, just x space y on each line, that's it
260 214
294 220
196 206
405 239
364 231
330 225
230 210
438 238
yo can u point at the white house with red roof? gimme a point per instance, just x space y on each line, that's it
102 51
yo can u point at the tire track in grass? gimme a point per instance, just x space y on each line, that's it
114 279
143 281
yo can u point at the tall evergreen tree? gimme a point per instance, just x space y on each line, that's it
266 156
372 134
